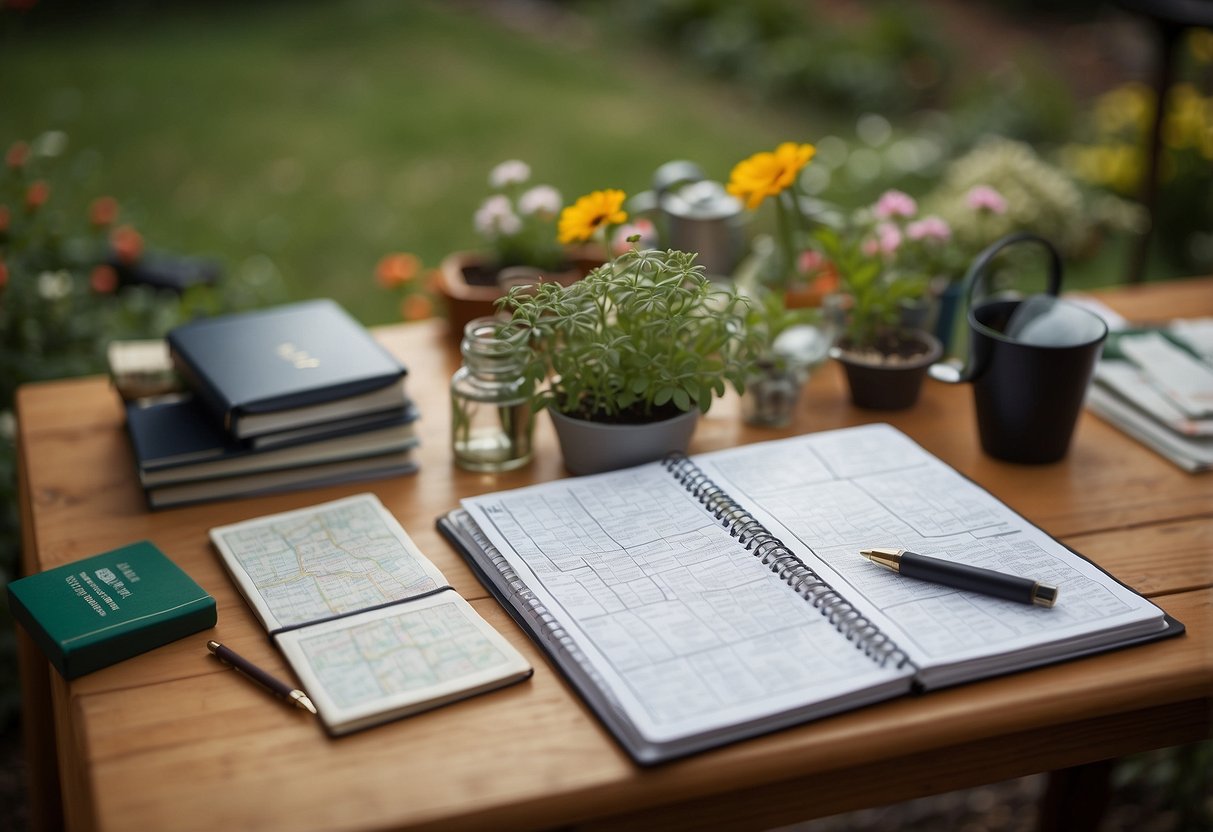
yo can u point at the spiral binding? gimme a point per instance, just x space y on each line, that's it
777 557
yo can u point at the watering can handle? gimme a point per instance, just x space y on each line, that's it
974 280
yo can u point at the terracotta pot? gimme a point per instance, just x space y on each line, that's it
470 287
891 382
592 447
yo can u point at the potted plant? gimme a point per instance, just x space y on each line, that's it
790 342
516 222
632 353
883 265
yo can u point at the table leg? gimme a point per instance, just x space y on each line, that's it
1075 798
37 717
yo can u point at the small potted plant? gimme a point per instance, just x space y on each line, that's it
516 223
633 352
885 346
790 342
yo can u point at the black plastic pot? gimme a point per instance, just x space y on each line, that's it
895 382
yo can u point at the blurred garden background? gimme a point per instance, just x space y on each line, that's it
289 148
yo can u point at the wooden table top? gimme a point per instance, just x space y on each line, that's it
172 739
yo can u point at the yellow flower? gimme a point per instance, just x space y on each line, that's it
579 221
768 174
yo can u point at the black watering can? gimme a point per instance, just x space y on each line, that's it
1030 361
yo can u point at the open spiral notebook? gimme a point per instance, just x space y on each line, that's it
699 601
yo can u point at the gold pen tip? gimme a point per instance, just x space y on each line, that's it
300 699
213 646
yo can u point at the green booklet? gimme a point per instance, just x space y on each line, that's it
103 609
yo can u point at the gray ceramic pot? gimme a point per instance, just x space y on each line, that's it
591 447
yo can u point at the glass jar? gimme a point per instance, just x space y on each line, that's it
490 400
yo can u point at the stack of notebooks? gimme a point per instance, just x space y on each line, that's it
297 396
1157 386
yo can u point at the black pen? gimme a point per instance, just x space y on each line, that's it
279 688
961 576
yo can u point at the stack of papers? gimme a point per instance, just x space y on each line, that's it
1157 386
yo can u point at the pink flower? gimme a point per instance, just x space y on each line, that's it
811 261
985 198
895 204
929 228
886 242
888 238
642 228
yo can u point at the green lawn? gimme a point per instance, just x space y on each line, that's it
318 137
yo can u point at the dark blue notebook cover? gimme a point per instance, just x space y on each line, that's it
279 359
181 431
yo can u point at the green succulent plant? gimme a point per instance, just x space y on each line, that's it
640 338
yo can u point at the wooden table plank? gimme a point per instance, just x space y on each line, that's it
552 763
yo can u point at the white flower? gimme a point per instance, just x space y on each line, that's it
54 285
541 199
496 216
512 172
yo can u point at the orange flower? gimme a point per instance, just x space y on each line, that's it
37 194
127 243
598 209
768 174
103 211
416 308
827 280
103 279
433 280
17 156
397 269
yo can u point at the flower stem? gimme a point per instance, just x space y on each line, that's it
785 240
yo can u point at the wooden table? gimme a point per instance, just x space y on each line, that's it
172 739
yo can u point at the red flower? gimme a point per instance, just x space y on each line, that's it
3 274
396 269
103 211
127 243
103 279
36 195
5 217
416 307
18 155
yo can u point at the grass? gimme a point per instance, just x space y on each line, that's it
314 138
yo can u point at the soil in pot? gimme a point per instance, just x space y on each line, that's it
889 375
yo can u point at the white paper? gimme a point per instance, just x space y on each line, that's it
830 495
1183 379
684 626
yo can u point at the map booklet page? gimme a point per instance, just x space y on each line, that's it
367 622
